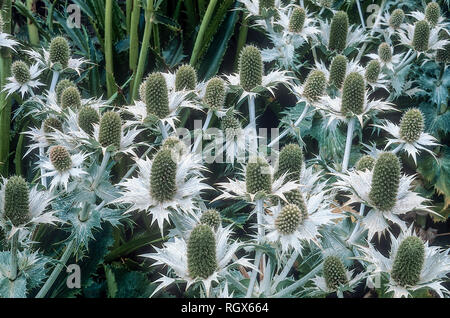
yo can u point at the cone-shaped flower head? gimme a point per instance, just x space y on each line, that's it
230 122
86 117
215 93
266 5
110 129
62 85
314 85
338 31
433 13
60 51
17 201
51 124
258 176
408 261
21 72
365 162
201 252
373 70
297 20
411 125
60 158
250 67
334 272
185 78
385 181
338 70
443 55
353 94
296 197
421 36
71 98
212 218
384 52
289 219
326 3
290 162
163 176
156 95
396 19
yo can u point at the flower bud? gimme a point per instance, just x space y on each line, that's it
385 52
60 158
156 95
21 72
215 93
365 162
86 117
71 98
396 19
212 218
250 68
353 94
334 272
163 176
421 36
433 13
443 55
408 261
373 70
201 252
62 85
296 197
411 125
110 130
257 176
314 85
288 219
185 78
17 201
338 69
297 20
338 31
290 162
51 124
60 51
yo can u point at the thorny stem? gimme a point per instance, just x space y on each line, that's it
84 213
252 115
43 178
258 255
285 132
14 263
251 285
102 168
348 143
54 81
205 126
163 130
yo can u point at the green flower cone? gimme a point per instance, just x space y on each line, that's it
408 261
201 252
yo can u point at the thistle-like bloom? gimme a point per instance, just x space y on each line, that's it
392 22
385 56
70 98
432 14
204 257
260 11
411 265
169 183
24 79
213 96
383 189
313 88
212 218
410 133
339 69
21 206
365 162
185 78
61 166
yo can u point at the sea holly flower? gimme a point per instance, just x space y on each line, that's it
212 218
24 78
432 14
385 56
70 98
385 190
204 257
390 23
340 67
409 134
411 265
365 162
262 12
169 183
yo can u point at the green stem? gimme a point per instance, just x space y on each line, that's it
134 38
302 281
19 148
110 87
348 143
102 169
129 6
242 38
14 263
33 32
83 216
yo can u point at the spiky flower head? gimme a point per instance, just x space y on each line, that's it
110 129
60 51
338 31
157 95
411 125
338 70
60 158
334 272
201 252
21 72
385 52
314 85
177 147
62 85
353 94
396 19
51 124
365 162
212 218
266 5
289 219
373 70
421 36
290 162
185 78
230 122
215 93
433 13
443 55
385 181
258 176
250 67
326 3
296 197
163 176
86 117
17 201
71 98
408 261
142 91
297 20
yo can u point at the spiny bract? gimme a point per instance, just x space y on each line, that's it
421 36
17 201
212 218
433 13
185 78
62 85
163 176
215 93
296 197
338 31
373 70
86 117
297 20
51 124
250 68
365 162
334 272
314 85
201 252
385 181
110 130
257 177
21 72
384 52
411 125
60 158
60 51
288 220
290 162
408 261
71 98
396 19
157 95
353 94
338 70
